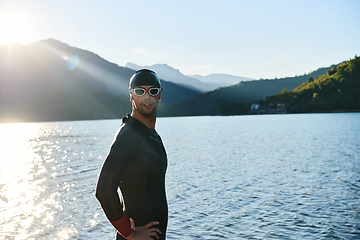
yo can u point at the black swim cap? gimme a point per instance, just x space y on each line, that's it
144 77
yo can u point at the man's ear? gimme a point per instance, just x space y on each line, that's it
131 97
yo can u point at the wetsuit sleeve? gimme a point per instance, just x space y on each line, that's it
120 154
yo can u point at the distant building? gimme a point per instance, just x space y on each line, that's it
278 107
281 107
254 106
272 108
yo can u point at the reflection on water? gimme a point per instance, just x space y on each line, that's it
44 186
25 210
263 177
245 177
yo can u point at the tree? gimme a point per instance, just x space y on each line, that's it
285 91
231 108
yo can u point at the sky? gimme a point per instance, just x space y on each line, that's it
255 39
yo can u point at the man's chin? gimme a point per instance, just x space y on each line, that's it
151 112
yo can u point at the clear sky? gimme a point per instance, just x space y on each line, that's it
248 38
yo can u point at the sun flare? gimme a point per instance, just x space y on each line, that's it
16 27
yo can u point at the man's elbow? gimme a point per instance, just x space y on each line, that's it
104 187
98 194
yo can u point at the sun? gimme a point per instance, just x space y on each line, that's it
16 26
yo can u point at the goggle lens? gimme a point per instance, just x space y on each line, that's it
141 91
154 91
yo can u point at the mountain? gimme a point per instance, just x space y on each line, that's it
337 90
210 103
166 72
52 81
223 80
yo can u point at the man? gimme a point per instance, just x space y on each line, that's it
136 164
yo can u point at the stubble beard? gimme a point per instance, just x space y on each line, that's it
150 113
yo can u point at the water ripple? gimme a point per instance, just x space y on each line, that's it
249 177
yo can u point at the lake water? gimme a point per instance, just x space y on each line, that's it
238 177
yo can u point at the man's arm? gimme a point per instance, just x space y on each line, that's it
106 193
121 152
109 199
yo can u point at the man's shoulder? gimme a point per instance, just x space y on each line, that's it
128 131
133 128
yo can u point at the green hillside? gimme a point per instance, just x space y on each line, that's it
337 90
213 102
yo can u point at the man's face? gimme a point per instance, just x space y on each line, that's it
146 104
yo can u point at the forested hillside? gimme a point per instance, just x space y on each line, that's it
212 103
337 90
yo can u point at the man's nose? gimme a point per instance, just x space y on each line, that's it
147 95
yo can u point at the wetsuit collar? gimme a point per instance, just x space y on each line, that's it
129 119
126 118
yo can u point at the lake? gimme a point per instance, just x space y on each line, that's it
236 177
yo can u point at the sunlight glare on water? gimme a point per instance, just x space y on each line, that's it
18 188
24 211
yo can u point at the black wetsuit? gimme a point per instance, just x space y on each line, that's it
136 164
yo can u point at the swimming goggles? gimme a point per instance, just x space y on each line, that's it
153 91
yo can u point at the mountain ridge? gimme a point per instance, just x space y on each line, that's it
204 83
164 71
52 81
222 78
209 103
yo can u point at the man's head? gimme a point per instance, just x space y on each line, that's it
144 77
145 88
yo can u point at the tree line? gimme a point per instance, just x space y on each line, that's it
337 90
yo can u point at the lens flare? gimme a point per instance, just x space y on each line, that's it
72 61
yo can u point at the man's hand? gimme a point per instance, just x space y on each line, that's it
144 232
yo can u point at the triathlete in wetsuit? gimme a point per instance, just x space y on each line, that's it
136 164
